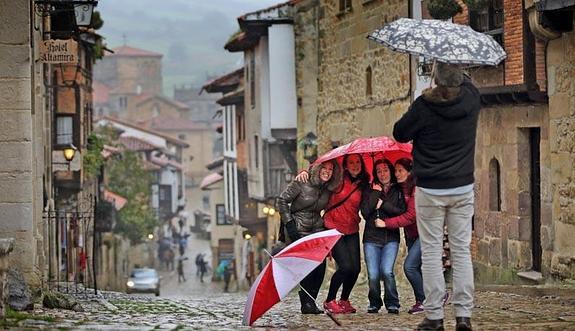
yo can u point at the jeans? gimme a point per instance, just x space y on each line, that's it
380 261
412 268
432 213
347 257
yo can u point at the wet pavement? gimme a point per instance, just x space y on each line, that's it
195 305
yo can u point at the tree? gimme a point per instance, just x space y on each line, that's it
128 178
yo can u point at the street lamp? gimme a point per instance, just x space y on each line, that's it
247 236
83 9
83 13
150 236
68 152
268 211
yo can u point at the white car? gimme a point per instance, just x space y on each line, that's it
143 280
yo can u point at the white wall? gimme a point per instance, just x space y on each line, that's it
263 85
282 93
169 177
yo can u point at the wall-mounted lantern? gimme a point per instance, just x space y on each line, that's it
309 145
268 211
83 9
68 152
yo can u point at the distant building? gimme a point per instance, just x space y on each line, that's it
202 105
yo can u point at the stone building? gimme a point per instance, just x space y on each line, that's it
124 75
524 158
46 107
25 136
347 86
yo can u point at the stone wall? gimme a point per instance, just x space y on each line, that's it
18 166
306 29
504 235
346 109
561 90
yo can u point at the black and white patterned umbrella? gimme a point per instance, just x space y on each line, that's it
439 40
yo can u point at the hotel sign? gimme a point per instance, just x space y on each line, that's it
59 51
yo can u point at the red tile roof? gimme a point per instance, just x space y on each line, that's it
147 96
132 51
225 83
144 129
137 144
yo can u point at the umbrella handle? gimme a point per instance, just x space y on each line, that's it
336 321
432 72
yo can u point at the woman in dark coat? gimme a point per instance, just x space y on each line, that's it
407 221
300 206
381 200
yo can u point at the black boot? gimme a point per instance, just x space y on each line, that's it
463 324
308 305
431 325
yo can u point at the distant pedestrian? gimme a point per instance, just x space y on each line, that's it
202 266
181 270
198 268
442 123
229 271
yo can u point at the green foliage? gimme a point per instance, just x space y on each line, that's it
98 48
443 9
477 4
97 22
92 158
128 178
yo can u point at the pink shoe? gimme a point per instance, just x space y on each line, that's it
416 308
347 307
333 307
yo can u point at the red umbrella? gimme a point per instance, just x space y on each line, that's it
285 270
370 149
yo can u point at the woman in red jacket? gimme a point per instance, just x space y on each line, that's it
412 263
342 214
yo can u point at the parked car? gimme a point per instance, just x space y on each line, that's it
143 280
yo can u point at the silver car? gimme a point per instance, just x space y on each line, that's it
143 280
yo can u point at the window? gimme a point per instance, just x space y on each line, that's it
256 152
123 102
494 185
252 79
155 111
221 218
206 201
182 136
368 80
344 6
64 130
489 20
240 120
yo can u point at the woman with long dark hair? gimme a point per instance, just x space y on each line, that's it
407 220
381 200
342 214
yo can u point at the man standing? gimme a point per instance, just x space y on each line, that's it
442 124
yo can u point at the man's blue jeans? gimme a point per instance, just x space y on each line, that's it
380 261
412 268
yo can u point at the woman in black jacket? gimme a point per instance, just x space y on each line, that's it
381 200
300 205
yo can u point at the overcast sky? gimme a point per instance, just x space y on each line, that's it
190 33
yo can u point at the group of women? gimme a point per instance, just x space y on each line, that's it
328 198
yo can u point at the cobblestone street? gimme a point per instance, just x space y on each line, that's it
206 307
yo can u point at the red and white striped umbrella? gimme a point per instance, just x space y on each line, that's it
285 270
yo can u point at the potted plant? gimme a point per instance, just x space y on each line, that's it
443 9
